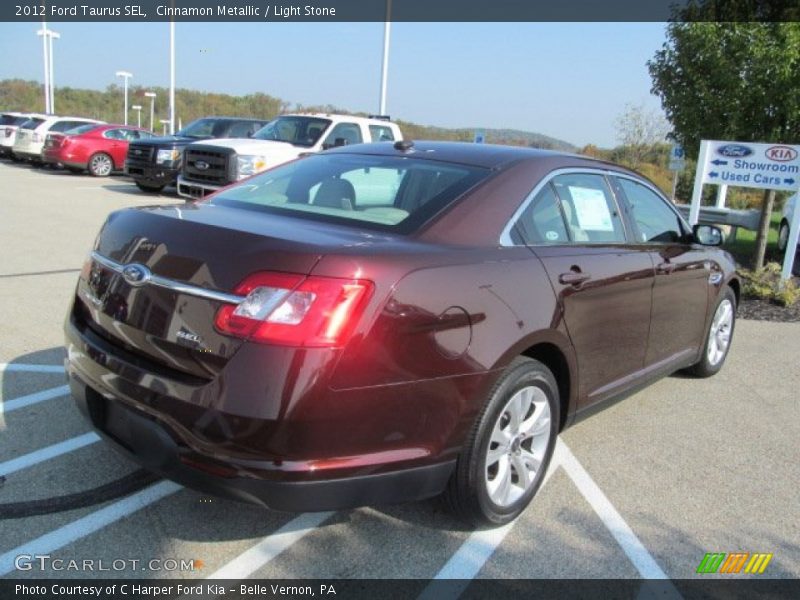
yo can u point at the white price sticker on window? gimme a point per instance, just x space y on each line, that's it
591 209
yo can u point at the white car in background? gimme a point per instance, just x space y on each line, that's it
786 218
9 123
31 134
212 164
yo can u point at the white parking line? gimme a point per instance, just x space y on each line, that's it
34 458
23 401
630 544
251 560
80 528
22 368
473 554
468 560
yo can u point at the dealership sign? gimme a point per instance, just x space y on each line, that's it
771 166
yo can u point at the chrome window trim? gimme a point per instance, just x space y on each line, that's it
171 284
505 236
662 197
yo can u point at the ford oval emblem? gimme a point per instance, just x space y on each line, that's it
136 275
201 165
734 150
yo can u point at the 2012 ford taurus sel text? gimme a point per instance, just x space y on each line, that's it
390 322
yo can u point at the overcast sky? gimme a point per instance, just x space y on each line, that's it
567 80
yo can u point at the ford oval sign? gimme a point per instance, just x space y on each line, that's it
201 165
136 275
734 150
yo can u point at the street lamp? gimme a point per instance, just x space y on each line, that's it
43 33
125 75
152 96
138 109
164 123
387 27
52 36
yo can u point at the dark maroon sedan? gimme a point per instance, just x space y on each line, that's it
388 322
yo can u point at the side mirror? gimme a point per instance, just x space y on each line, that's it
708 235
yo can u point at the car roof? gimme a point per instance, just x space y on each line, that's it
490 156
337 116
226 118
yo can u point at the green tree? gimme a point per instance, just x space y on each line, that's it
726 80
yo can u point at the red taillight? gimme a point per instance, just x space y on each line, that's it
293 310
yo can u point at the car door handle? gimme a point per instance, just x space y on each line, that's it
573 278
665 267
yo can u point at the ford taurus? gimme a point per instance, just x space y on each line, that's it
390 322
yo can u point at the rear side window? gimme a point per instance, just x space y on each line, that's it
590 211
379 133
12 120
380 192
542 222
82 129
653 219
115 134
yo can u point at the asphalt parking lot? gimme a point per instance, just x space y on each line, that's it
643 489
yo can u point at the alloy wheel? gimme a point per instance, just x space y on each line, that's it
517 447
719 336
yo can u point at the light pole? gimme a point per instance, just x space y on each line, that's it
138 109
152 96
125 75
387 25
43 33
164 123
172 76
52 36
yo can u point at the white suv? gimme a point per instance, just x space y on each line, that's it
9 123
32 133
213 164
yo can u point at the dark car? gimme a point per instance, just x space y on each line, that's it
100 149
155 163
389 322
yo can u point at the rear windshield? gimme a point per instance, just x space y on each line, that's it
11 120
299 131
31 123
390 193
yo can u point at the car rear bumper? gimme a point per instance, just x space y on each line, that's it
152 445
322 450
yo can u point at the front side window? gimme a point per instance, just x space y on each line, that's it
343 134
115 134
589 208
298 131
380 192
653 219
64 126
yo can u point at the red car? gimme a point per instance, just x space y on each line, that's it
100 149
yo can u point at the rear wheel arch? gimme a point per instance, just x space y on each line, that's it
551 356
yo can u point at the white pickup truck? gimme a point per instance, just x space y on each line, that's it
213 164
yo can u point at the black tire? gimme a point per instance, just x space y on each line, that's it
706 367
783 235
100 165
150 189
467 494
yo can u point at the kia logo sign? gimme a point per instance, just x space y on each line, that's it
136 275
781 153
734 150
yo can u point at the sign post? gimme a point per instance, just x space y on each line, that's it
742 164
677 162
